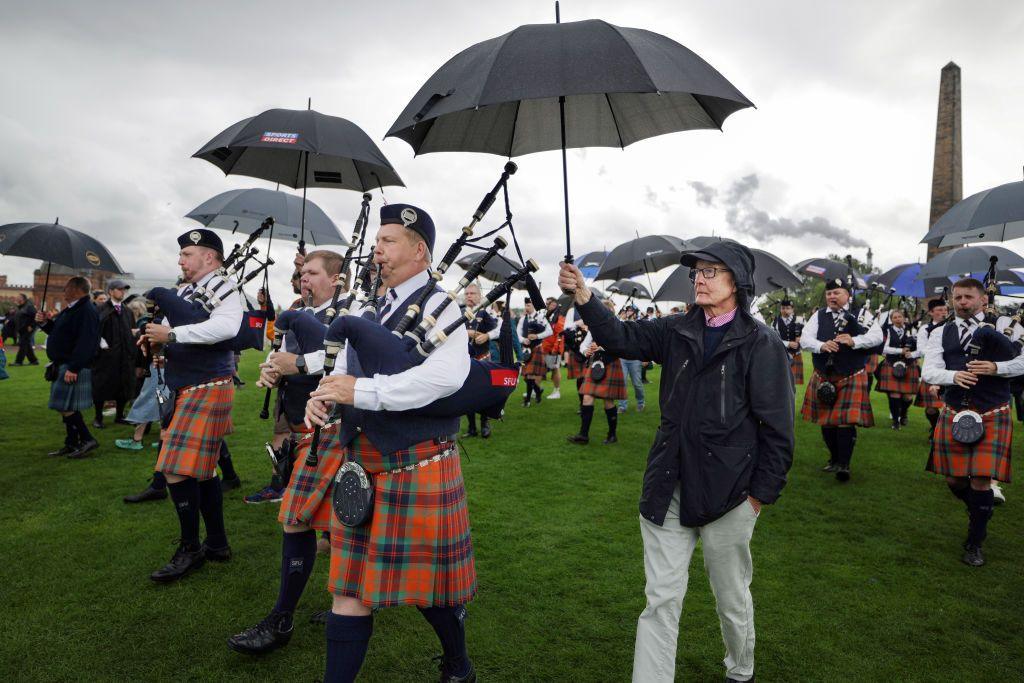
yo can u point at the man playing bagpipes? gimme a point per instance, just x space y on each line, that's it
574 333
604 379
532 330
413 546
482 329
790 330
305 505
899 373
198 369
837 396
973 362
928 394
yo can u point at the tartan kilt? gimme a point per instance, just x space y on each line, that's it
796 366
68 398
575 368
873 361
201 419
852 406
889 384
307 498
925 399
535 367
611 388
990 457
416 549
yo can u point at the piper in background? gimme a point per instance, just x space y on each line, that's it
482 329
790 330
899 373
533 328
928 394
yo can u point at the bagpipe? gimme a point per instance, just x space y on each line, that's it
573 338
308 333
827 392
483 323
530 327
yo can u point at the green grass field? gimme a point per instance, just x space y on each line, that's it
855 582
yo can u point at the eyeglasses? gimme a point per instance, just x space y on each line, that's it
708 273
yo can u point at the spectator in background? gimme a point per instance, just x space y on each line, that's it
25 329
99 297
3 360
113 370
74 339
633 369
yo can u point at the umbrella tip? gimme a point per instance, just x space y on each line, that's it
309 103
558 14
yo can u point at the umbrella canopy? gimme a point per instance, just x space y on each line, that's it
970 260
903 279
301 148
565 301
591 262
630 288
244 211
496 270
643 254
827 269
56 243
558 86
770 271
993 215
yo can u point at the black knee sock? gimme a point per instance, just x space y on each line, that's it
159 481
612 415
119 412
298 553
537 389
471 418
961 491
845 439
227 467
579 383
98 408
933 417
828 434
347 641
185 495
211 504
448 623
529 389
79 424
894 407
586 415
71 431
905 407
979 510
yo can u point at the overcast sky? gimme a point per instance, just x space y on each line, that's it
103 104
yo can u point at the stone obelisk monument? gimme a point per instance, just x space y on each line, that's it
947 171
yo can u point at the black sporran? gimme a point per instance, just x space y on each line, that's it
899 369
827 393
968 427
353 495
598 369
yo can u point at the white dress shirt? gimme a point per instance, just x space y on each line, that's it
224 322
935 371
809 338
440 375
538 317
898 350
586 343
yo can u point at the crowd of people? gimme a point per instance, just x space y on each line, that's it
365 471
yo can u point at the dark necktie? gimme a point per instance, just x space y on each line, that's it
965 333
392 295
187 292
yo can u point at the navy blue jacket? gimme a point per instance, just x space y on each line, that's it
74 335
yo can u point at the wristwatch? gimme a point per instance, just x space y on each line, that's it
300 364
171 337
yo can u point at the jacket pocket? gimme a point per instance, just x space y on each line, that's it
725 475
659 477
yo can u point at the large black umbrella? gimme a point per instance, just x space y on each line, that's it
55 243
827 269
993 215
770 271
631 288
970 260
245 210
642 255
558 86
497 269
301 148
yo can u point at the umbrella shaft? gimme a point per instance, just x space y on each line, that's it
565 179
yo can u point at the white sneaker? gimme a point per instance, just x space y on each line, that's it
555 394
997 494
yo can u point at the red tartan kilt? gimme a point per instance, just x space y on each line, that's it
852 406
307 500
535 366
908 386
190 444
925 399
575 368
611 388
416 549
872 365
796 366
990 457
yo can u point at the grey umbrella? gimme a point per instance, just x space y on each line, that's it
558 86
770 271
630 288
970 260
301 148
642 255
244 211
827 269
994 215
55 243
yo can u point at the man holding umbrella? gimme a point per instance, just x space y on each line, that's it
722 450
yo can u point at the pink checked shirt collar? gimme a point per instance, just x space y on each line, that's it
720 320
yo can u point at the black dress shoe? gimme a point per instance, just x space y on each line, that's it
229 484
611 439
842 473
973 556
485 430
149 493
217 554
65 450
183 562
578 438
84 450
446 677
273 632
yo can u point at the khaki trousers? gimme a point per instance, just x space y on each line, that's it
667 553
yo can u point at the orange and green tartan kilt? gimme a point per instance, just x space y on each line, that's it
201 419
889 384
925 399
873 362
852 406
611 388
307 498
416 549
575 368
796 366
990 457
535 367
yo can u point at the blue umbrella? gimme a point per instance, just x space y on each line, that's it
591 262
903 279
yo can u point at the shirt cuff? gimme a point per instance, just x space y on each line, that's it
366 394
314 362
1002 369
